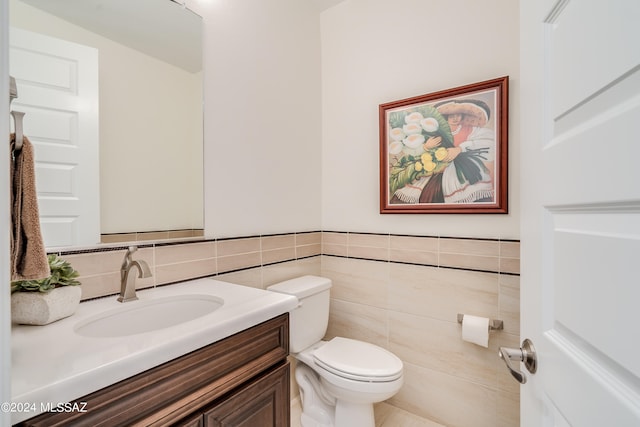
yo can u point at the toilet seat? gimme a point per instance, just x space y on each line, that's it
358 360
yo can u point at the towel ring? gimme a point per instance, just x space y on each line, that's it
17 120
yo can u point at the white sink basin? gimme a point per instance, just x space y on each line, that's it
140 316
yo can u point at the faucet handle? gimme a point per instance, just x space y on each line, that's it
128 257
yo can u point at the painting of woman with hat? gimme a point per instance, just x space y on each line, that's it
467 120
446 151
462 151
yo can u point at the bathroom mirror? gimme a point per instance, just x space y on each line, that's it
150 110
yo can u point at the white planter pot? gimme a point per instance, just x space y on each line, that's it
41 308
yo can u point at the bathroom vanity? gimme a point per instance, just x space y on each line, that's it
240 377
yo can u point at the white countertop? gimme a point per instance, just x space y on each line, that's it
53 364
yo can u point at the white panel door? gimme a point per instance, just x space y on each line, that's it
580 182
58 90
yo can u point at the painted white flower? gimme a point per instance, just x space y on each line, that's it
414 141
412 128
429 124
395 147
414 117
397 134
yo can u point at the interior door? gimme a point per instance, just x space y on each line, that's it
580 182
58 90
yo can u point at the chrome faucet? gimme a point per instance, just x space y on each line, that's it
127 280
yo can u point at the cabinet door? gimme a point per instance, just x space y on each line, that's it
193 421
262 403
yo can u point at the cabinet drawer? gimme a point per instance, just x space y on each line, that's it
172 391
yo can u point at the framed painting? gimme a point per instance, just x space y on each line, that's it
446 152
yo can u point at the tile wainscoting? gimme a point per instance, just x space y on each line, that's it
400 292
403 293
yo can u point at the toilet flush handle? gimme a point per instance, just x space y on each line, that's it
526 354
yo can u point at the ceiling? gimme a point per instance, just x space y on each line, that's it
163 29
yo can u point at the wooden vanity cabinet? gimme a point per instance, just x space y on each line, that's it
242 380
258 404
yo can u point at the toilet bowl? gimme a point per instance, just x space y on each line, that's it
339 379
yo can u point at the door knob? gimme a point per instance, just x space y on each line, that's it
526 354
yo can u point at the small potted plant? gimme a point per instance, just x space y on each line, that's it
40 302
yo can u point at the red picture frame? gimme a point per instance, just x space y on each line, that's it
446 152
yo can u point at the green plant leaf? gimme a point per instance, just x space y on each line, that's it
62 274
396 119
400 176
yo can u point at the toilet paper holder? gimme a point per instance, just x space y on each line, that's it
494 325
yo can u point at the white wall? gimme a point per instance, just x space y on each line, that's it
262 116
263 171
377 51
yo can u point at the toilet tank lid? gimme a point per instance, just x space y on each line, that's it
302 287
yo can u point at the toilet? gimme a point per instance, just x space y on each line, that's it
339 379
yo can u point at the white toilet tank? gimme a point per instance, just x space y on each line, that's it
308 323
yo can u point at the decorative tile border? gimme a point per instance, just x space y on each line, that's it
141 236
181 260
475 254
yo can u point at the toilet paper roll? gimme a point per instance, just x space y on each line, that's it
475 330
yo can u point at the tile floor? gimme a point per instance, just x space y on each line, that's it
386 416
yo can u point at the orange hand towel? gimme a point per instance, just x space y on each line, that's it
28 254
